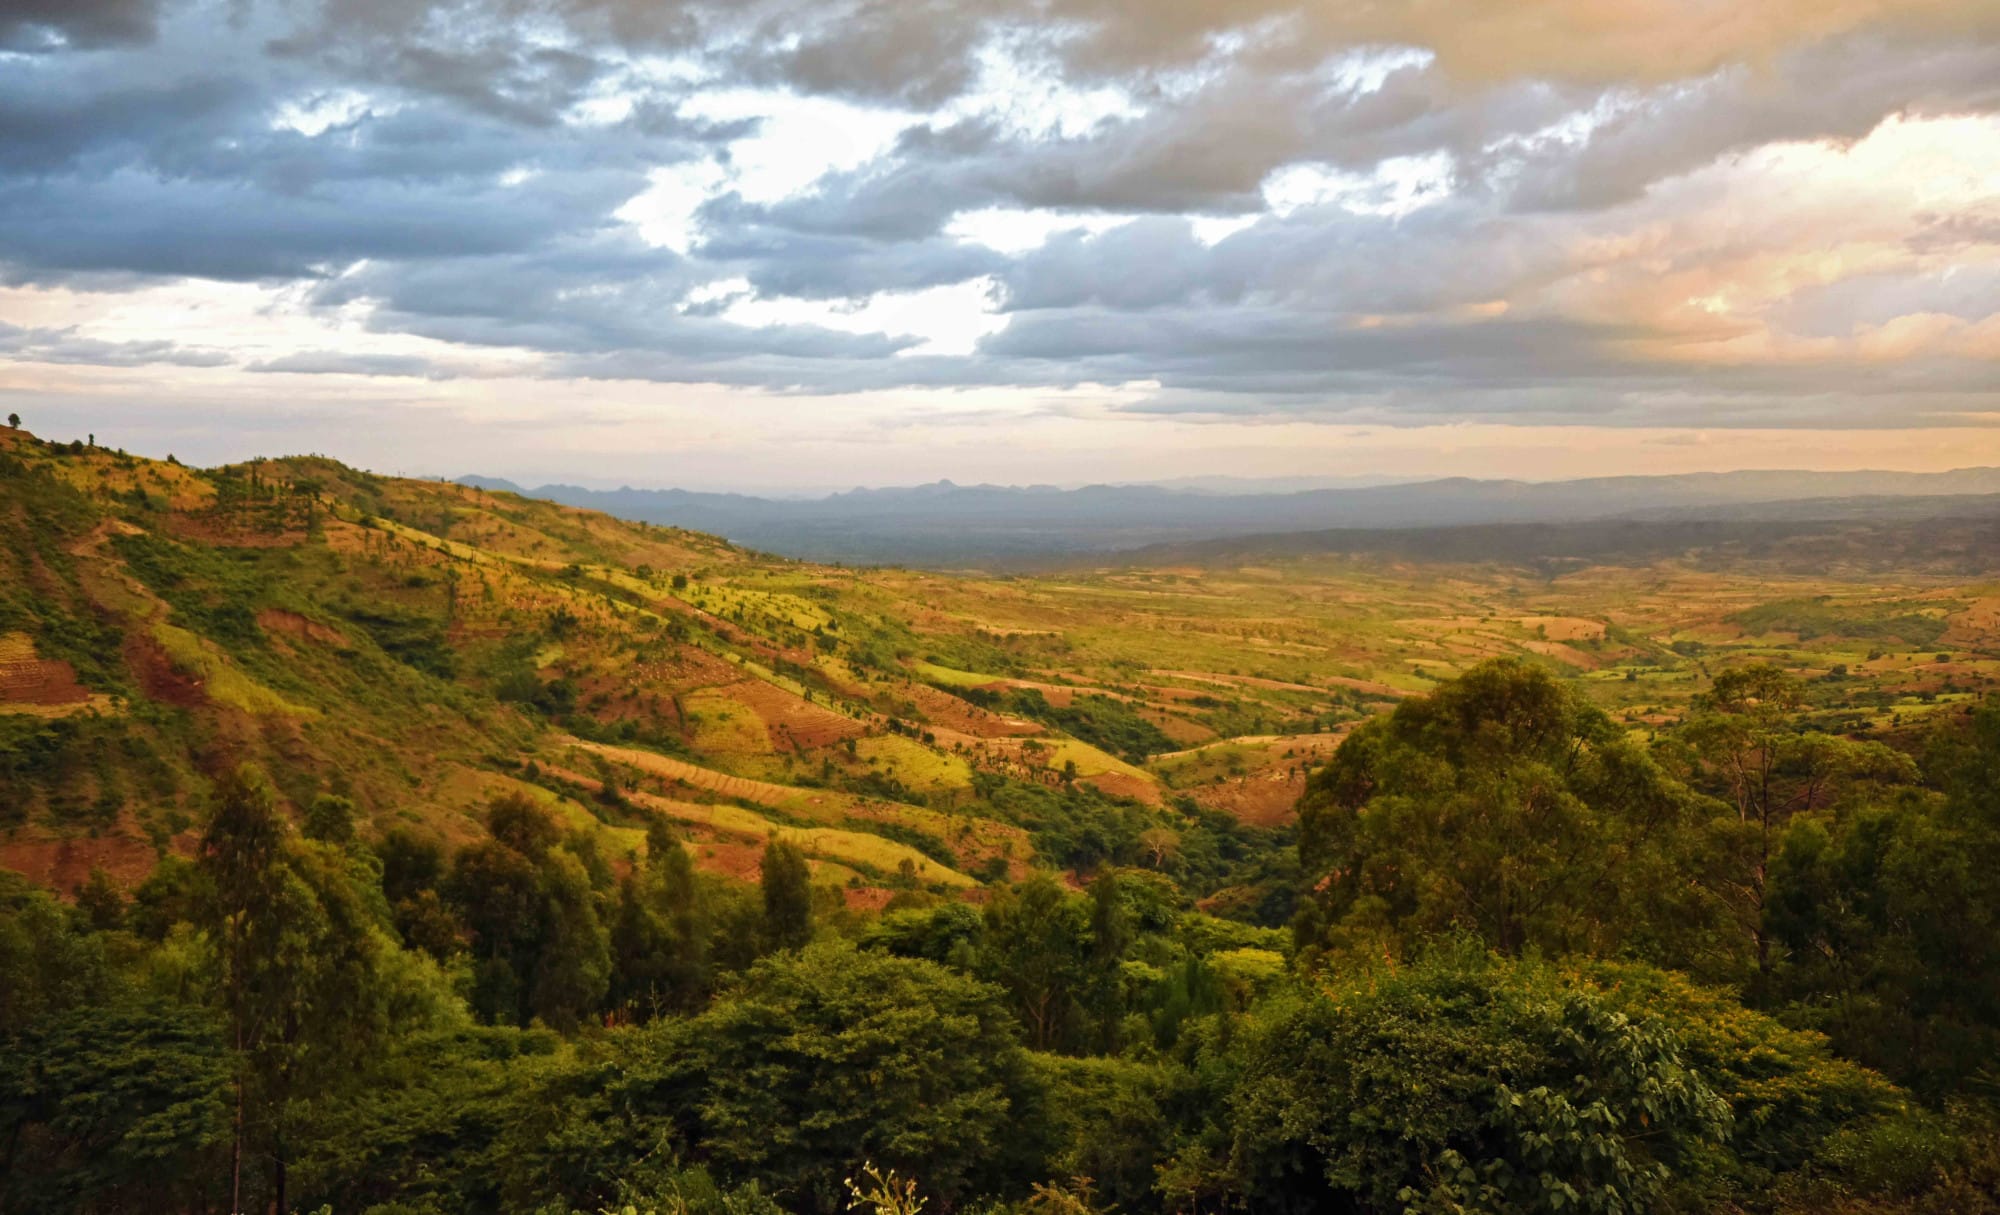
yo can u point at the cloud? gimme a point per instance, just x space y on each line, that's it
48 25
328 362
67 346
1618 211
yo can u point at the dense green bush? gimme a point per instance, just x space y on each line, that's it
1506 806
1463 1084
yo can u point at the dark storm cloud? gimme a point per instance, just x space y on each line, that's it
43 25
457 171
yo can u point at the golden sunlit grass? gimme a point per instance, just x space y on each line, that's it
221 679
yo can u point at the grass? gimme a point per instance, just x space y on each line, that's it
221 679
949 677
726 727
1201 765
1088 759
914 764
860 849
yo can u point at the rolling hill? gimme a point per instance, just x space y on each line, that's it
423 647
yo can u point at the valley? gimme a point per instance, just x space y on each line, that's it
420 646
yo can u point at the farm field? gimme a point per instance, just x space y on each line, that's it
409 643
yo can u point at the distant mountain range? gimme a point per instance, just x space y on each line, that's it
946 524
1946 535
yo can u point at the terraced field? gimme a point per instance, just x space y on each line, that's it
422 647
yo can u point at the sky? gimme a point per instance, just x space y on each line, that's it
792 245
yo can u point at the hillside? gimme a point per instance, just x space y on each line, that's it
422 646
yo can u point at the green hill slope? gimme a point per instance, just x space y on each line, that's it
412 644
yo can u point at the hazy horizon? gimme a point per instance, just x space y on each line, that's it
1242 485
1538 465
1211 482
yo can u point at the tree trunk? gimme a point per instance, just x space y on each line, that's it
236 1149
278 1178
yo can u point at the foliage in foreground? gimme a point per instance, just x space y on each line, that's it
1473 1015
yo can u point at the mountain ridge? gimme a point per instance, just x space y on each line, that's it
945 522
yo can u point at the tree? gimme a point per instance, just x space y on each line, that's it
100 901
829 1057
1888 917
330 819
297 961
1162 844
518 823
948 932
1108 1123
115 1106
14 421
176 892
422 1132
572 968
498 895
787 885
1111 935
530 909
1463 1084
412 872
1037 947
660 933
411 864
240 859
1744 745
1503 805
46 965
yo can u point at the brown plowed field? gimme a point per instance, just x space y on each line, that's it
950 712
46 681
793 723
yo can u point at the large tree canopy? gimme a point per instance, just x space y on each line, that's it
1464 1085
1502 805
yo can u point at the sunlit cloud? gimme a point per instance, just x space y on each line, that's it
1088 232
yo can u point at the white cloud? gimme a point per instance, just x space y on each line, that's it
798 139
313 114
664 213
1020 87
1366 70
1214 229
1396 187
1019 230
716 292
949 320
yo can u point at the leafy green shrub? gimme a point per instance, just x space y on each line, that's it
823 1059
413 640
1463 1084
1814 618
1788 1093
